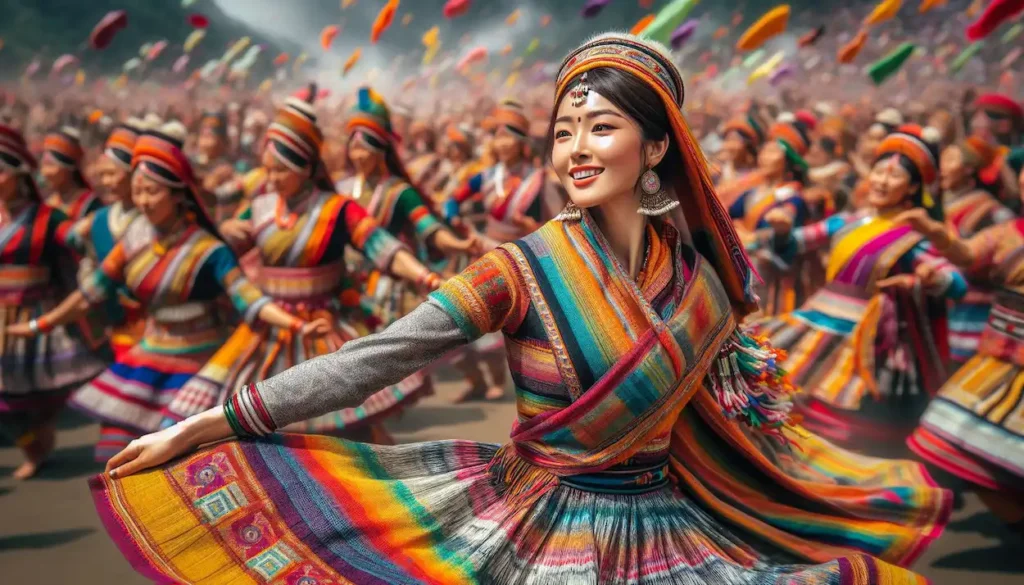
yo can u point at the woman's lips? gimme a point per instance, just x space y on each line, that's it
584 175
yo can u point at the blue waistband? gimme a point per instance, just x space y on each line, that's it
622 479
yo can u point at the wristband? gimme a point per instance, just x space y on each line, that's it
33 326
296 326
233 422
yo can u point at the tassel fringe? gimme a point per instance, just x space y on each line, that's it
750 385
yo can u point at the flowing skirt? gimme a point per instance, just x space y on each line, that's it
974 428
859 375
310 509
38 374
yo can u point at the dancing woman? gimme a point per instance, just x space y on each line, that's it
36 375
969 209
614 320
171 262
301 230
61 168
781 173
869 348
974 428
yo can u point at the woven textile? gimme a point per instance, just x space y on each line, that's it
581 496
974 428
303 270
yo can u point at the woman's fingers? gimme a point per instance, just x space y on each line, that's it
125 455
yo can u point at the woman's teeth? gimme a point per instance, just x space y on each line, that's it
578 175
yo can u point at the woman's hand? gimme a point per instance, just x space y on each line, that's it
527 223
235 230
899 282
317 328
929 275
780 221
917 219
149 451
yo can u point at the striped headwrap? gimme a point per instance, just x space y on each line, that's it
14 152
294 137
997 105
369 121
908 141
748 129
977 153
64 147
158 155
700 211
917 145
511 115
121 143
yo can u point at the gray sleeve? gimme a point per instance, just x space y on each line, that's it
349 376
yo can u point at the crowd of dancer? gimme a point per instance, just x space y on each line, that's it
773 349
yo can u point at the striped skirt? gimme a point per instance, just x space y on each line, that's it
37 374
311 509
853 390
974 428
967 319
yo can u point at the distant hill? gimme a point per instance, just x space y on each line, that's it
50 28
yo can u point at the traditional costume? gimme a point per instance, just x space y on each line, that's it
974 428
604 481
177 279
37 374
301 243
969 210
785 283
868 360
65 149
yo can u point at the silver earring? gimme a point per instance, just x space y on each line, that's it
654 200
570 213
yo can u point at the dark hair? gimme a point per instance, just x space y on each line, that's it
917 196
638 101
193 206
27 184
795 171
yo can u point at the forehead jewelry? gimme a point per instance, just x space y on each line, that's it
579 93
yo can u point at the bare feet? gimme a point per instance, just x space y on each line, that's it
494 393
36 452
470 392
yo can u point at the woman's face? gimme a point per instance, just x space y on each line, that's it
817 156
281 179
507 146
734 148
889 184
209 143
869 141
113 179
455 154
155 200
56 175
597 151
952 169
366 160
991 130
8 185
772 159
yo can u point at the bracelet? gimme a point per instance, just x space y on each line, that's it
426 279
296 326
233 422
42 325
33 326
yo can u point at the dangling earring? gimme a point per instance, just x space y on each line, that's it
654 200
570 213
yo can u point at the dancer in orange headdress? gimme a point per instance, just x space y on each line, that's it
36 376
61 168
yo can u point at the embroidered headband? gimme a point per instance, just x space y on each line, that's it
512 115
747 128
370 121
14 152
158 155
792 134
64 147
1001 106
121 143
908 142
701 211
294 137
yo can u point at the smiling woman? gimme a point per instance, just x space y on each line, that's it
647 447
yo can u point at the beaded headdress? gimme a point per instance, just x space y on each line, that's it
700 212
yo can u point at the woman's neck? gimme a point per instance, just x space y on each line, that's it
170 226
15 205
891 211
962 187
371 178
625 231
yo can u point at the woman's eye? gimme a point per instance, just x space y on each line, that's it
602 128
562 134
